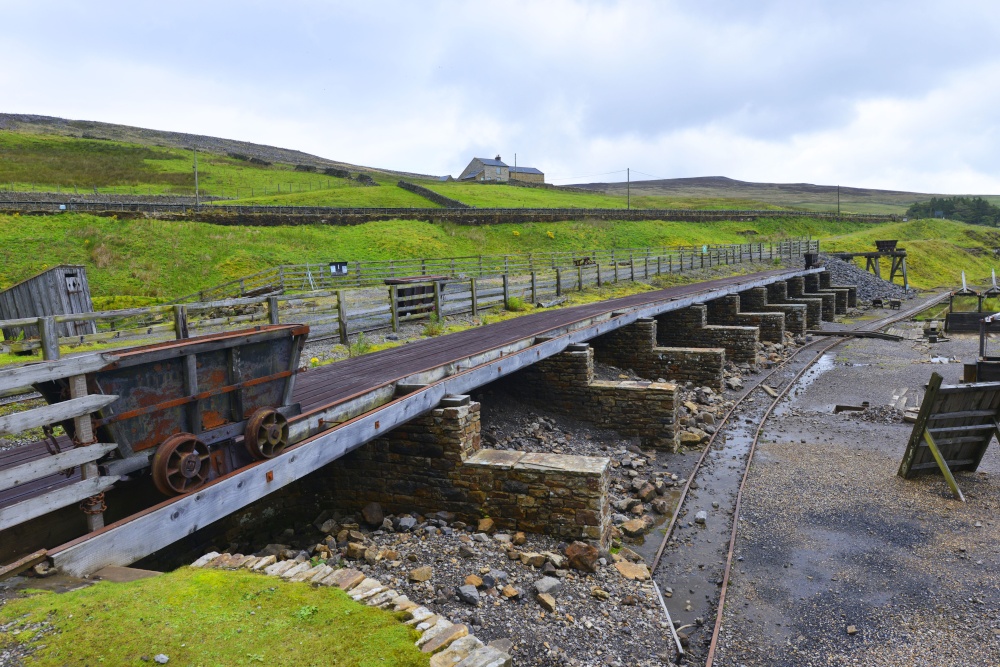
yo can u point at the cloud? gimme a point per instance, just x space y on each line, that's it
863 93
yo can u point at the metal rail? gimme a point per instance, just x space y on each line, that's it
760 428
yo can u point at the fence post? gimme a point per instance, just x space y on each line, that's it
342 317
272 309
84 435
598 265
534 287
48 336
558 282
437 300
579 277
394 306
472 286
181 322
506 290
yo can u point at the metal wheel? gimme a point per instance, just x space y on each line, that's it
266 434
180 465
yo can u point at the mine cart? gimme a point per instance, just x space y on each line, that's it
183 405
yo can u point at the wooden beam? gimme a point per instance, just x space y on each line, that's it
56 412
46 371
18 513
933 464
23 564
27 472
920 425
943 465
964 414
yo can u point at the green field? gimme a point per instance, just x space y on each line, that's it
158 258
206 617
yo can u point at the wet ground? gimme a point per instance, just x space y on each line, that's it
840 561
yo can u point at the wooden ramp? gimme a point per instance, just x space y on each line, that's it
955 425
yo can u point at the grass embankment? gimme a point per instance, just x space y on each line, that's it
206 617
49 163
937 250
152 258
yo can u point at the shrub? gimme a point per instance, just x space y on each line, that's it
433 326
360 346
516 304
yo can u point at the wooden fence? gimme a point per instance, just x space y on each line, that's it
340 306
82 452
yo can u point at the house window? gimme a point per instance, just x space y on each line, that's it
498 171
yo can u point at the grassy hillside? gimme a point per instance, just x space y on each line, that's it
49 163
152 258
937 250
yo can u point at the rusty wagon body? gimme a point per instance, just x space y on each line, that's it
183 405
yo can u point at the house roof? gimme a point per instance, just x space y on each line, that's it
490 162
472 175
524 170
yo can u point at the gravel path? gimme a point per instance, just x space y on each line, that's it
841 562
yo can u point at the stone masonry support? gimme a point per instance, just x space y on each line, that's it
852 290
729 310
434 463
812 286
689 327
565 383
755 299
798 288
782 292
634 347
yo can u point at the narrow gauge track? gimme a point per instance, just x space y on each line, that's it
689 579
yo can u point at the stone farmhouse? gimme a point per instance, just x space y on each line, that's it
496 171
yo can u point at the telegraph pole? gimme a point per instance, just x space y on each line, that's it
197 199
628 188
838 201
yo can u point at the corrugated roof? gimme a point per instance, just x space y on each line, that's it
524 170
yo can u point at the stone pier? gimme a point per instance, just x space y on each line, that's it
565 383
434 463
781 292
799 288
755 299
634 347
729 310
689 327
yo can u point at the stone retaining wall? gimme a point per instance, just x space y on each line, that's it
755 300
634 347
565 383
689 327
729 310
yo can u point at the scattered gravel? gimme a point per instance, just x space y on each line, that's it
869 286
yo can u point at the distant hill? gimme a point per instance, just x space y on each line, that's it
792 195
88 129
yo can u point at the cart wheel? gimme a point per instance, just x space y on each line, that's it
266 434
180 464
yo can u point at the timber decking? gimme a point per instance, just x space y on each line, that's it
328 385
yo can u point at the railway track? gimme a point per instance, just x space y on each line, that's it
719 475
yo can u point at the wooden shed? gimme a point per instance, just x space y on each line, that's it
57 291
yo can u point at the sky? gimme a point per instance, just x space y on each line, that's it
892 95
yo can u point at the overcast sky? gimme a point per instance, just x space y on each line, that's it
896 95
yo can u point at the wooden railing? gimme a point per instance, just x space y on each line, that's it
84 453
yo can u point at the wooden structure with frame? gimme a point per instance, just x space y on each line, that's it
955 425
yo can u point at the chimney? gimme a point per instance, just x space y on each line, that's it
497 158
